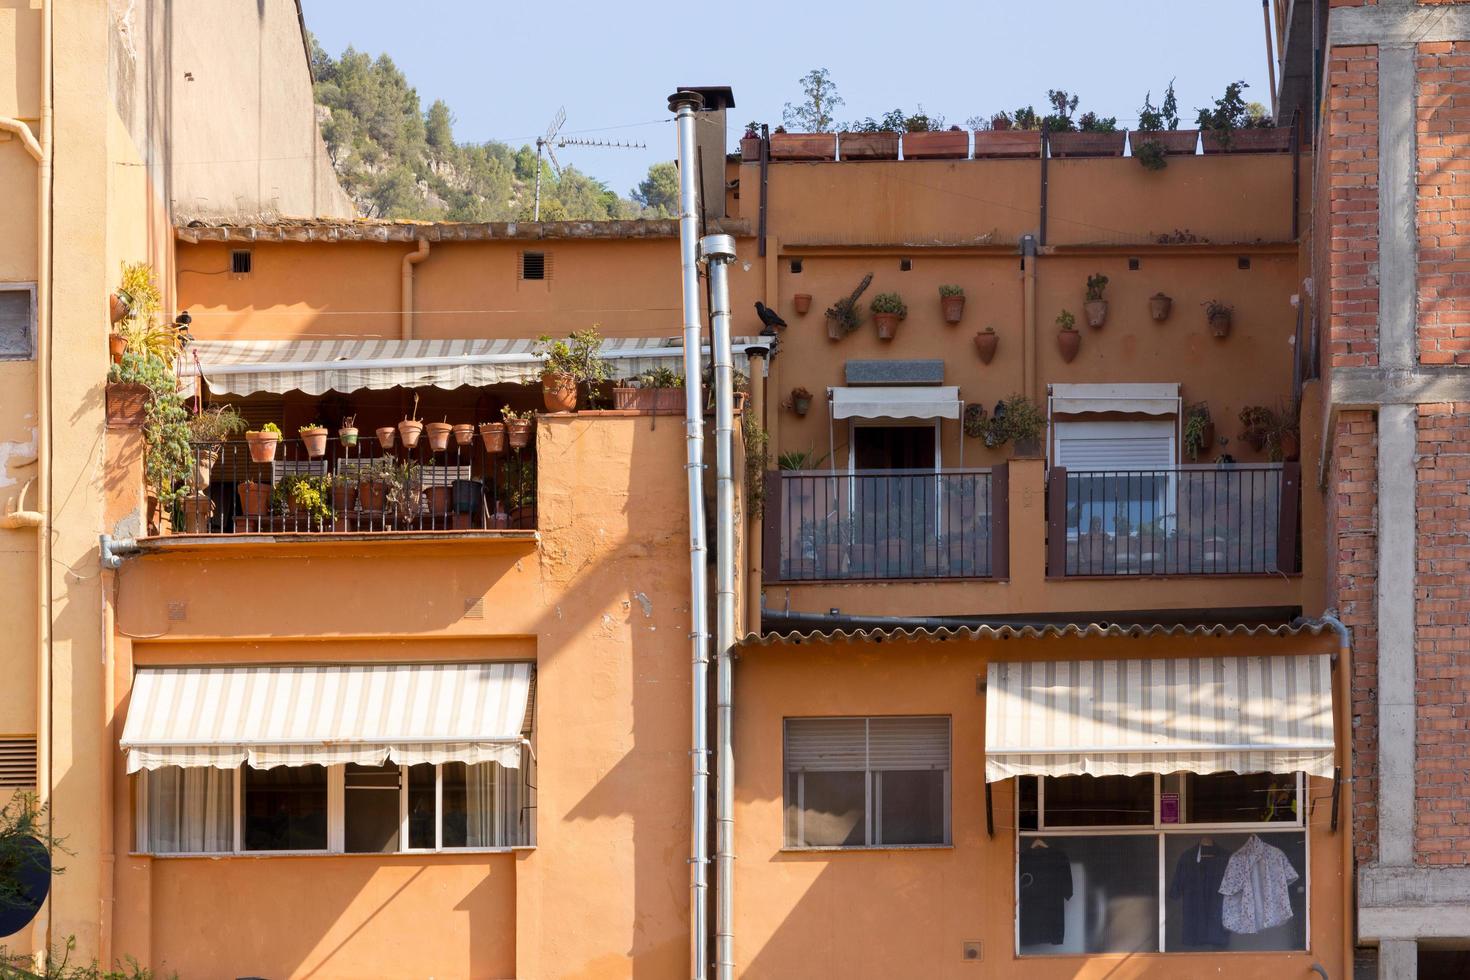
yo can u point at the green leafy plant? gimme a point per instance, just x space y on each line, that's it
975 421
271 428
1066 320
1091 122
1196 421
1017 420
757 458
311 494
1156 119
579 355
1214 308
511 415
660 378
951 291
1059 120
144 329
19 966
799 460
24 820
1231 112
1150 154
166 435
310 425
1269 429
890 303
215 425
1096 283
848 312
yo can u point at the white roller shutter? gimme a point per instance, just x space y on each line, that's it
849 744
1115 445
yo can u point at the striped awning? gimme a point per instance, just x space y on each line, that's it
1128 717
315 367
296 715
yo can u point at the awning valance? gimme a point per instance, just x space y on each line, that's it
914 402
296 715
315 367
1128 717
1142 399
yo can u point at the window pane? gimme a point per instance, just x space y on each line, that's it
1227 798
1026 789
285 808
1099 801
1089 894
190 811
911 807
1264 878
421 805
832 809
370 820
455 802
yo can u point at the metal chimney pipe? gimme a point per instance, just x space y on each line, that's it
719 251
683 105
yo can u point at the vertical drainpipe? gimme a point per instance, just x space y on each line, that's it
409 261
1030 340
719 252
44 543
683 105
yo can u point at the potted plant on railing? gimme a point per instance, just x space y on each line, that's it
1199 430
344 493
568 363
1158 134
306 498
255 499
1008 134
1090 135
314 438
438 433
373 484
1233 125
846 315
411 427
387 436
492 434
1020 422
657 390
406 492
207 433
464 434
1220 316
263 442
347 431
801 400
1069 341
750 143
1096 307
888 310
517 426
952 303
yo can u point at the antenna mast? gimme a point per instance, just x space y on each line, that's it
557 122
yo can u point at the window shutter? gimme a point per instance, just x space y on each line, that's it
825 744
1115 445
17 763
17 312
908 743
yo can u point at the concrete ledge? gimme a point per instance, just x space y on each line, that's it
1398 24
1413 903
1372 387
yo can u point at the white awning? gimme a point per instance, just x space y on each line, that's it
1143 399
245 367
297 715
1127 717
912 402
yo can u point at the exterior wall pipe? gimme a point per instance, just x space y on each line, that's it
409 261
719 251
683 105
1030 338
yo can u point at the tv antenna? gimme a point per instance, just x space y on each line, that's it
551 139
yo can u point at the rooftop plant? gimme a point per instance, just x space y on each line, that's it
1059 120
578 355
660 378
1232 112
1156 119
1091 122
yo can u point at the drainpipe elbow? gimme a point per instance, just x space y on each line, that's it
115 549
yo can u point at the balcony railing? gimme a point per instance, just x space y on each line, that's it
1183 520
361 486
885 524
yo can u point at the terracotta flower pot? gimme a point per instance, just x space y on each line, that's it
203 466
315 440
255 498
1159 306
409 431
1175 142
440 498
868 146
492 434
993 143
197 509
953 308
1087 144
344 497
464 434
347 435
127 405
300 512
1291 446
1096 311
439 436
518 432
1220 324
803 146
386 436
1271 140
834 328
802 302
939 145
668 400
1069 342
118 307
750 149
801 404
262 445
986 341
117 345
559 391
887 325
372 496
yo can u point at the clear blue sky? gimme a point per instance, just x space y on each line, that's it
505 68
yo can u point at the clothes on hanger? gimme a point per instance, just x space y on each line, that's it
1196 885
1255 888
1045 887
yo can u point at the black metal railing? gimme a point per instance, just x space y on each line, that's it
304 487
884 524
1182 520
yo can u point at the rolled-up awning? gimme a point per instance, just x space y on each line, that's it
315 367
912 402
1141 399
297 715
1128 717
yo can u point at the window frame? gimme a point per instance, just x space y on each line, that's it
28 287
336 818
1162 831
872 802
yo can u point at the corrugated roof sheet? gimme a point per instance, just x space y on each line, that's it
1178 630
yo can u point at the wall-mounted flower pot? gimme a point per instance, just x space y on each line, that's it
1271 140
834 328
803 146
801 404
386 436
1220 323
119 305
1175 142
750 149
438 436
953 308
1087 144
986 342
802 302
409 431
127 405
1159 306
315 440
662 400
999 143
518 432
1069 342
1096 311
492 434
464 434
347 435
887 324
868 146
559 391
939 145
262 445
117 345
255 498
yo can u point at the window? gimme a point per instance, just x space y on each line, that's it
1222 856
354 809
796 267
1120 475
867 782
17 321
241 262
535 265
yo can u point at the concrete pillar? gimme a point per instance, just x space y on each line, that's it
1398 959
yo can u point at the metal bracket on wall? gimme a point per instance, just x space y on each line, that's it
1336 794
